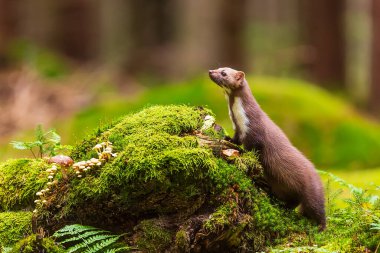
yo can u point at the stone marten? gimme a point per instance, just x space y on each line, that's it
291 176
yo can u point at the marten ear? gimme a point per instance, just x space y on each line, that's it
239 76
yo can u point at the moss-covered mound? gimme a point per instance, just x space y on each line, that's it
164 177
13 226
167 183
19 181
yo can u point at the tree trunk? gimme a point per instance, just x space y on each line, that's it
374 96
324 32
77 29
35 22
232 28
8 26
198 36
152 35
114 43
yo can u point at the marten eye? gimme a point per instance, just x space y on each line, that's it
224 73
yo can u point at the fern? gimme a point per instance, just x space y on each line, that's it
8 249
353 189
73 229
376 224
86 239
122 249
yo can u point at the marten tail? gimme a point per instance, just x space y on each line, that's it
314 209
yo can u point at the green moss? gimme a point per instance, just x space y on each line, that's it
224 215
182 241
152 237
14 226
155 151
34 243
19 181
306 249
349 229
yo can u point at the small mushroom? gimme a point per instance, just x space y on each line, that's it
62 160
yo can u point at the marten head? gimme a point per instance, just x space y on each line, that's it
227 78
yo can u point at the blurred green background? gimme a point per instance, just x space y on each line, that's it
312 65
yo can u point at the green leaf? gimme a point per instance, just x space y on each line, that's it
34 144
39 133
53 137
19 145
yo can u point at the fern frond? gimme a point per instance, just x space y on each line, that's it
6 249
87 239
353 189
102 245
72 229
122 249
84 236
87 242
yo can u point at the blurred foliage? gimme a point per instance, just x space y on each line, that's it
270 56
47 63
367 179
326 128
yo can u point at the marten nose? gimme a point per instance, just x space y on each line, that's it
210 71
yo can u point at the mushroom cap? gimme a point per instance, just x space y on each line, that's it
62 160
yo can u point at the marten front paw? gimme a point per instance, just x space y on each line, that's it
227 138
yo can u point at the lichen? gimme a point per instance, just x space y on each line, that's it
13 226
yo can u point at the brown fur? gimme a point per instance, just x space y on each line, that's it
290 174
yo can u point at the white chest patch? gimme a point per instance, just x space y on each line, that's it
229 111
240 116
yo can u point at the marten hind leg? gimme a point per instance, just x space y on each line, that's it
291 204
315 210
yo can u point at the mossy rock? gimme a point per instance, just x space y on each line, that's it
168 170
14 226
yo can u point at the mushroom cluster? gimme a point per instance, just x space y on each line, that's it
104 151
51 182
83 166
63 162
